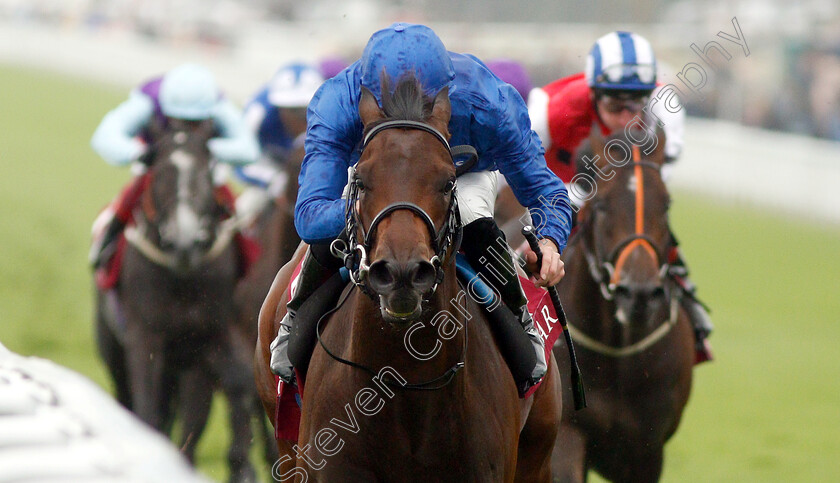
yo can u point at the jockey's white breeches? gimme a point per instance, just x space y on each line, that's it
477 195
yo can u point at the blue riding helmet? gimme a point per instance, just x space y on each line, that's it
294 85
404 47
621 61
188 92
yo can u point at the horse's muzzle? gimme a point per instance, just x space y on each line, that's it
637 303
401 288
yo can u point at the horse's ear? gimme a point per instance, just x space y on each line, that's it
583 213
659 153
442 110
369 109
596 140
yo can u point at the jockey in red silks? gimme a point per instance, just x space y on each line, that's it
487 114
276 114
186 92
617 89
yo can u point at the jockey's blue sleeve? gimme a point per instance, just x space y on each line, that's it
491 116
332 132
520 157
115 139
486 113
264 120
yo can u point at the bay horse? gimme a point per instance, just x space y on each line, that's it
166 331
634 341
371 410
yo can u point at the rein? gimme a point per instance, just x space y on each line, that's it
439 382
136 235
632 349
445 243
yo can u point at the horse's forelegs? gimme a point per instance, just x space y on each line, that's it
195 397
644 467
265 432
112 351
146 366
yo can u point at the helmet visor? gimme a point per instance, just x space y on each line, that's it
624 73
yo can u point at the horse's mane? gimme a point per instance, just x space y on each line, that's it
407 102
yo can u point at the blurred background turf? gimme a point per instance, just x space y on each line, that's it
765 410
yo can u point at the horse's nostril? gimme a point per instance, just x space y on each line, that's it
658 292
423 275
380 276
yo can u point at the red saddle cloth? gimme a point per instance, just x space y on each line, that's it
287 411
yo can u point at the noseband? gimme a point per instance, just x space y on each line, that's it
445 241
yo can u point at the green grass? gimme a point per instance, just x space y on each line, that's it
765 410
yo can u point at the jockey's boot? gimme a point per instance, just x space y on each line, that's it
698 315
487 251
312 274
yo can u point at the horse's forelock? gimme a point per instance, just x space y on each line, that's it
407 102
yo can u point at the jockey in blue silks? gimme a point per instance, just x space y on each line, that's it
277 116
487 114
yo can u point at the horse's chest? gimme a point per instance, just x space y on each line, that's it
405 439
173 305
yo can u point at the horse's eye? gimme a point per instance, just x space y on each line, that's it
360 185
450 185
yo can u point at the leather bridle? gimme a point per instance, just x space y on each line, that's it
445 242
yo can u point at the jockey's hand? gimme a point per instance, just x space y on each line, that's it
552 269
